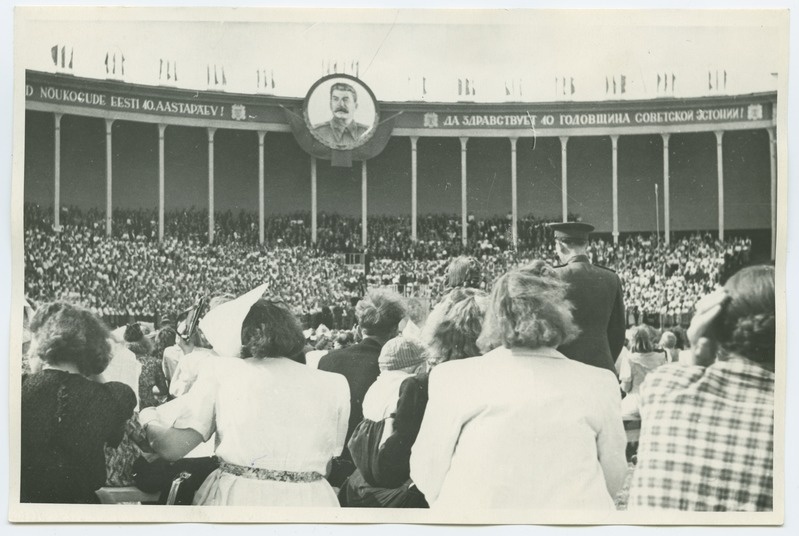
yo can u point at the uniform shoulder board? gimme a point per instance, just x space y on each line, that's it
605 268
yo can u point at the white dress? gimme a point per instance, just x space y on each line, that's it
270 413
521 429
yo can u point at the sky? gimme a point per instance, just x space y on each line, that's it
525 53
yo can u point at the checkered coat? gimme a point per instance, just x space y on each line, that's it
707 439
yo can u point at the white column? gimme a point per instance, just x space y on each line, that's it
364 197
564 187
57 169
614 141
720 168
261 135
414 139
211 132
514 194
464 208
313 199
161 133
108 181
666 195
772 139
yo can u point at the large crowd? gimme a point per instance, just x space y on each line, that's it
131 275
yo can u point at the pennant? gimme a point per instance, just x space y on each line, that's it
572 85
673 80
507 91
709 81
272 77
725 75
54 55
106 63
216 76
607 85
63 56
258 78
72 53
123 65
207 74
474 90
659 83
174 69
160 69
623 84
168 70
335 66
460 87
614 85
717 79
114 64
467 87
357 68
224 79
424 86
520 87
564 85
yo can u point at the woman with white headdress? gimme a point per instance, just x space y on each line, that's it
278 423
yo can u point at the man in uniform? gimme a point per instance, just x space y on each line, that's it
597 297
342 131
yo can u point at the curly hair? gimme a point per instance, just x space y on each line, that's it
380 312
747 324
64 333
136 342
271 330
163 340
642 339
452 331
528 310
464 271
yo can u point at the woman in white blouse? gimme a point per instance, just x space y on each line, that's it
522 426
278 423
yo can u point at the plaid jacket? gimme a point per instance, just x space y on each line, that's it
707 439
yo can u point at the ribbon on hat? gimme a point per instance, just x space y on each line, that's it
222 325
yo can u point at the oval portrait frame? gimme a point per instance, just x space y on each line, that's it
316 115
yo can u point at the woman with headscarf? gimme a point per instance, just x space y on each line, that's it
522 426
278 423
68 414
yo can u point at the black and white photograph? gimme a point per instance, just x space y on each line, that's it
443 266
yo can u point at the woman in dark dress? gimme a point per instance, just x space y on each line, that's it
68 414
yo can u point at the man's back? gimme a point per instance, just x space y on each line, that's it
598 311
357 363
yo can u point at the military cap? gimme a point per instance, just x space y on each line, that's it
571 229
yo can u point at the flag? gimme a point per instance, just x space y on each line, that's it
174 69
607 85
564 84
216 76
725 75
357 68
168 70
673 79
424 86
258 78
623 84
224 80
208 74
467 87
659 83
106 63
460 86
63 56
335 66
272 77
123 65
474 90
72 52
507 91
114 64
614 85
571 80
520 87
717 79
160 69
709 81
54 55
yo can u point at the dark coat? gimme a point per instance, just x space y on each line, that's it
357 363
598 311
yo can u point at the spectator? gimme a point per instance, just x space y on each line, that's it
573 429
641 359
68 414
707 434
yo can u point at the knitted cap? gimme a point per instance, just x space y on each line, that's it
400 353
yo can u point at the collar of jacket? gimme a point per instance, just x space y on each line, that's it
579 258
